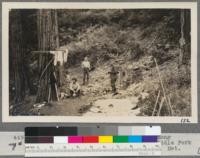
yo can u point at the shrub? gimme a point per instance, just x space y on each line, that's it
147 105
177 85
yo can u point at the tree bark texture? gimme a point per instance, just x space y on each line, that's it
47 40
16 57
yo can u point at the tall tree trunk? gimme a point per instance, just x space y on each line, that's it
16 56
182 38
47 40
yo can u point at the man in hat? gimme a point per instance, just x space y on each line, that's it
113 78
86 69
74 88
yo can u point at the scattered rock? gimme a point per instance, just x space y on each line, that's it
113 107
95 109
144 95
134 108
35 111
39 105
85 108
110 105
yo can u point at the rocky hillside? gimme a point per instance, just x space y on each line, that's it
142 44
131 40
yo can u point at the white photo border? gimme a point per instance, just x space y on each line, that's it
6 6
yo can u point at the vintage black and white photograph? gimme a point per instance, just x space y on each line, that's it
101 63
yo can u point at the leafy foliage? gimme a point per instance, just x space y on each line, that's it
105 34
177 86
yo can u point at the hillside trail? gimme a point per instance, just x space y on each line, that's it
96 99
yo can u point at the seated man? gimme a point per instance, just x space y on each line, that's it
74 88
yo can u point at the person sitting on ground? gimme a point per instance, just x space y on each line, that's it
74 88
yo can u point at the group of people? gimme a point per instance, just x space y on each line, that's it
74 86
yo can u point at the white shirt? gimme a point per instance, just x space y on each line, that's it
86 64
74 86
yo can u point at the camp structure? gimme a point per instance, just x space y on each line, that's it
50 59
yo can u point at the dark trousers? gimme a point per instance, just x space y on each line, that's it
77 94
85 75
113 85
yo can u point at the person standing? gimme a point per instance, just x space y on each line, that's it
86 69
113 78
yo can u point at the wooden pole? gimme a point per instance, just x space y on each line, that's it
163 89
161 105
156 103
